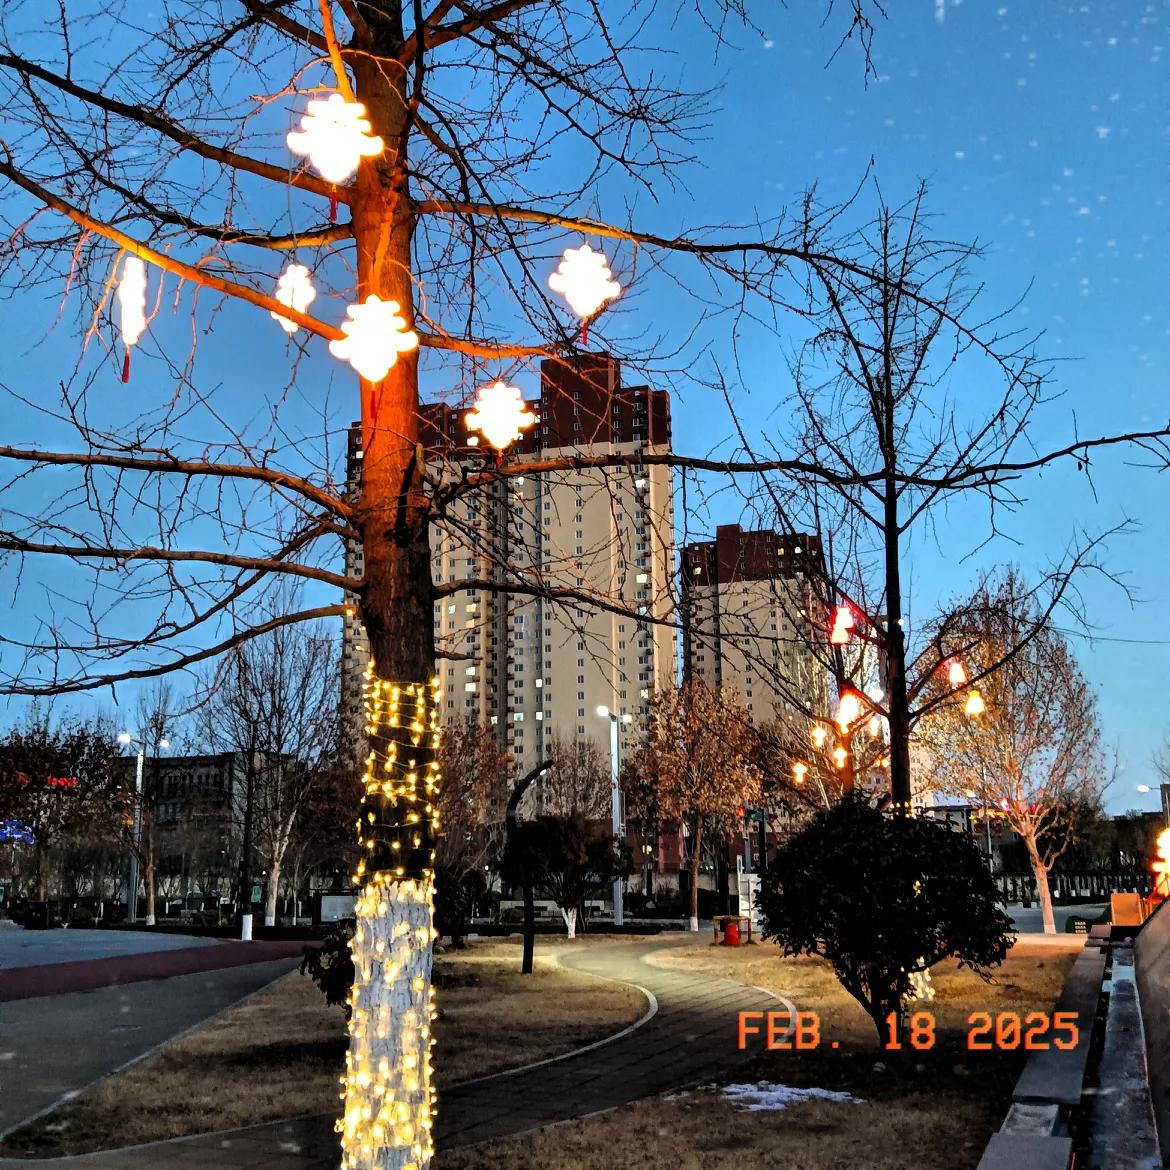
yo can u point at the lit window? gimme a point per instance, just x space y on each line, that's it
469 686
518 717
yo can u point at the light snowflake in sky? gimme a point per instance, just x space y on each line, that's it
375 334
500 414
335 135
584 280
295 289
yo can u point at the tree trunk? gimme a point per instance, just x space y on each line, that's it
1043 892
273 887
388 1090
570 917
42 877
148 878
695 860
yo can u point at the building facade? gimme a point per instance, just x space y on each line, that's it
557 588
746 598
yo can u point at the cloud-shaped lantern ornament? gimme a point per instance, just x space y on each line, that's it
375 334
131 307
500 414
583 278
335 136
294 289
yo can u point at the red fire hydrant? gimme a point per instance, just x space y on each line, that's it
731 933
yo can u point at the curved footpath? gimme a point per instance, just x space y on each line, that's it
690 1038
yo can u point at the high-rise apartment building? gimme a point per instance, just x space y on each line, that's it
747 599
519 559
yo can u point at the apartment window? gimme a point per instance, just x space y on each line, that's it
469 686
581 695
493 719
518 717
580 678
540 715
471 670
540 682
580 712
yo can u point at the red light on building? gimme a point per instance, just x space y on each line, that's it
61 781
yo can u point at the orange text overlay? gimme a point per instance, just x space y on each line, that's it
986 1032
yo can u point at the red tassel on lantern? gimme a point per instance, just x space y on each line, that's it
584 332
333 205
126 366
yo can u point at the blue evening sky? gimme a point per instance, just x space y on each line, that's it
1041 128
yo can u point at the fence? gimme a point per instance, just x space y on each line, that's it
1075 887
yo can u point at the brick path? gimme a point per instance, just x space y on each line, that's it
691 1038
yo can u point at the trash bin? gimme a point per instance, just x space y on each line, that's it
731 933
36 916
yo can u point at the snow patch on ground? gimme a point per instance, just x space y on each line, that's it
767 1096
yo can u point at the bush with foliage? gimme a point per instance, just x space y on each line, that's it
330 966
881 898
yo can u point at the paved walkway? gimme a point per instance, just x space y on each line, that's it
36 948
691 1038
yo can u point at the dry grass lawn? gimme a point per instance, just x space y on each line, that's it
922 1110
280 1053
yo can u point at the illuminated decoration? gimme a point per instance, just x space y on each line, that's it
848 709
295 289
375 334
16 833
799 771
921 988
61 781
956 673
1161 867
819 735
583 278
843 623
874 726
840 755
389 1098
335 136
500 414
131 307
974 704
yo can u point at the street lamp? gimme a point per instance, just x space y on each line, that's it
126 739
615 790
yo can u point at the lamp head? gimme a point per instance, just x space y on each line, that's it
164 743
125 738
602 711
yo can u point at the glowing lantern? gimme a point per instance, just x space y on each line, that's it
843 622
840 755
956 673
975 704
1161 867
848 709
799 771
335 135
819 735
131 306
500 415
295 289
375 335
583 278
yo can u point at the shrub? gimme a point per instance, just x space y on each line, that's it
330 966
881 898
81 917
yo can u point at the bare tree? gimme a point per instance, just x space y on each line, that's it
1034 753
577 783
275 704
880 414
694 768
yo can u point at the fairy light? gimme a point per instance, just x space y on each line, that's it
387 1089
294 289
819 734
375 334
843 623
583 278
500 414
840 755
799 771
131 307
848 709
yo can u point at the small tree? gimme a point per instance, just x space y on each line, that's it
1034 754
881 898
56 783
577 783
474 768
567 859
694 767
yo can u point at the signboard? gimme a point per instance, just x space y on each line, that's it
336 907
256 893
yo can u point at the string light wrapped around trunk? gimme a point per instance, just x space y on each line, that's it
131 307
389 1097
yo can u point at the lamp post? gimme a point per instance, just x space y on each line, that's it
604 712
126 739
